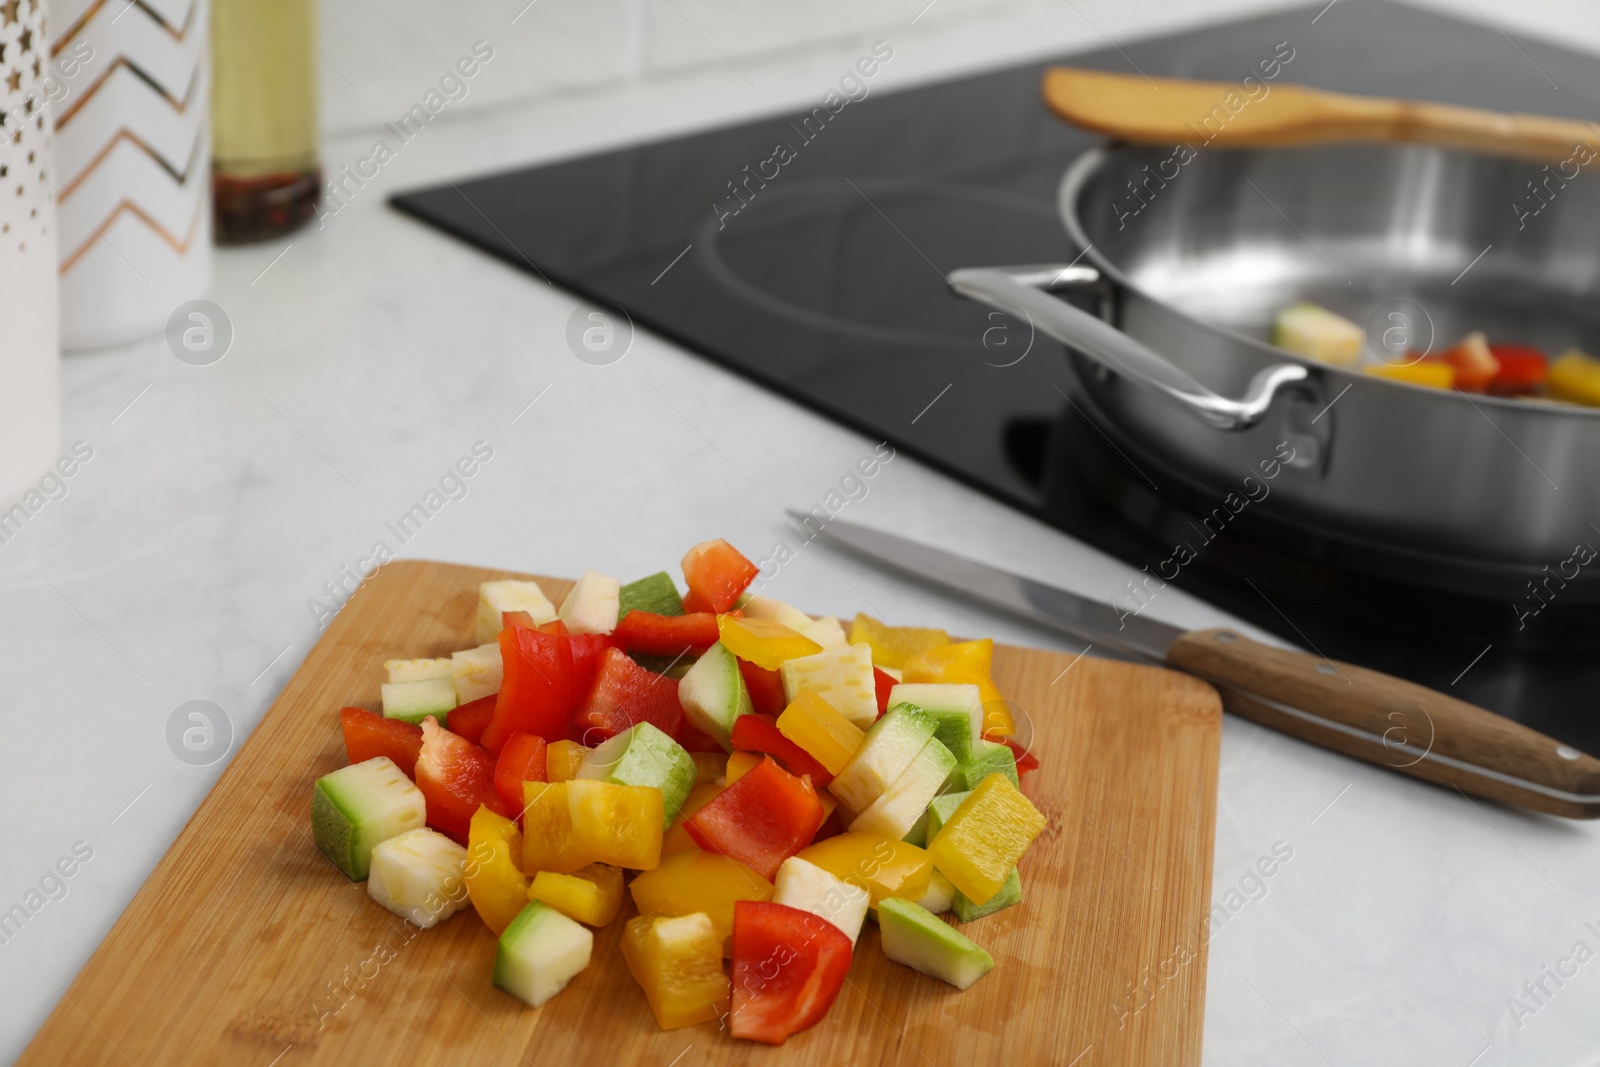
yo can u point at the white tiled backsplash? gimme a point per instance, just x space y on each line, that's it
383 56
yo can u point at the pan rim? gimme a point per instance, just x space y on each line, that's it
1077 177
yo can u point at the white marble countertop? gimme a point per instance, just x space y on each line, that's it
375 351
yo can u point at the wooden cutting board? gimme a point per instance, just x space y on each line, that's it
245 946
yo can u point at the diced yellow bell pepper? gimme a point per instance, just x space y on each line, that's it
677 961
1574 377
893 645
569 825
980 843
497 887
591 895
962 663
881 865
562 759
738 764
677 839
966 663
1430 373
818 727
764 642
709 766
687 882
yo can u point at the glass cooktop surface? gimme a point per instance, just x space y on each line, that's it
808 251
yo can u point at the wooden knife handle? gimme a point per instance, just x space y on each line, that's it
1392 723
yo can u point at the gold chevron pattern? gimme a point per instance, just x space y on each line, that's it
132 142
126 135
124 63
176 32
172 241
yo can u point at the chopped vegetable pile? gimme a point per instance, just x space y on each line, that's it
1472 366
767 780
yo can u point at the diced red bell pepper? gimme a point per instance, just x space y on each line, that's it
536 687
788 966
695 603
521 760
1522 370
586 652
759 733
586 649
509 619
760 820
623 695
884 683
716 574
455 776
766 688
367 735
665 635
692 740
1026 761
471 719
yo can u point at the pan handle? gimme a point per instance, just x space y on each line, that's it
1014 289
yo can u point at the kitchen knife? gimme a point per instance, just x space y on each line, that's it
1363 713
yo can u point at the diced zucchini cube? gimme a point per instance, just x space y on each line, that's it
990 757
655 594
355 808
827 632
420 876
1010 894
918 834
713 693
924 942
476 672
885 753
941 895
415 701
806 886
842 677
643 755
540 952
495 598
416 670
591 606
941 808
898 808
952 706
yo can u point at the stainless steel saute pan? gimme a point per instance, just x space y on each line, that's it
1193 254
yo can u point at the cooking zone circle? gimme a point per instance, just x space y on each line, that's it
832 274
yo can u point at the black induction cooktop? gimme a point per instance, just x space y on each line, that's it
808 251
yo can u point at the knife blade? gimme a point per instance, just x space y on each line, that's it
1362 713
1093 621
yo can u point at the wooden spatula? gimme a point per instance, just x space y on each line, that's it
1262 113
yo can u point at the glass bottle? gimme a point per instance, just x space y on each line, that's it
265 177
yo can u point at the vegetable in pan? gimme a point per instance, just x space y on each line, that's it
1473 365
